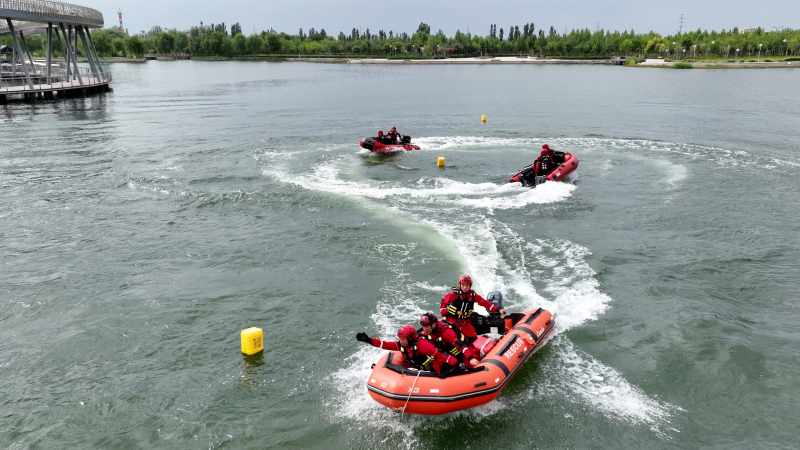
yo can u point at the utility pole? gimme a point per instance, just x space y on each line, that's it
680 25
598 27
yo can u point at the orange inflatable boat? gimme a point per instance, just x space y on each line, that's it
397 385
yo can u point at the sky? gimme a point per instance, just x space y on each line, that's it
449 16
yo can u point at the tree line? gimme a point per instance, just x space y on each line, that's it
220 40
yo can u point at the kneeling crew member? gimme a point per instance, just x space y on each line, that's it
457 307
544 164
393 135
448 339
420 353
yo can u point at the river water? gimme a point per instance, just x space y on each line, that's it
142 229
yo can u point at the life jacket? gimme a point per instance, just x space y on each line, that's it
445 346
414 357
461 308
544 165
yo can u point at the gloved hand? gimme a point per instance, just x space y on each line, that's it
461 366
363 338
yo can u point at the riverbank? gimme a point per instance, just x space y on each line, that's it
494 60
483 60
717 65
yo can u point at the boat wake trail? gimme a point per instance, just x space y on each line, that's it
553 274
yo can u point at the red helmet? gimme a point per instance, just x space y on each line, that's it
407 331
545 146
380 133
465 279
544 152
428 318
394 128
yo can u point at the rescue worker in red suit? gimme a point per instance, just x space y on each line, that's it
457 307
418 352
448 339
392 136
545 163
381 138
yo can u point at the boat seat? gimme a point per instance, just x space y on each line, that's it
484 345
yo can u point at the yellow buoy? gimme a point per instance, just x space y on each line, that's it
252 340
483 118
440 163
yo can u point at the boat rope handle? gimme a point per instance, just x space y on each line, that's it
403 411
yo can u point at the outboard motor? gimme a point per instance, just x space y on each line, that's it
405 140
493 323
495 298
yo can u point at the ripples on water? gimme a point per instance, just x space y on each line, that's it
144 228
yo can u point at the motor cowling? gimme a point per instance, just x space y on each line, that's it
495 298
406 139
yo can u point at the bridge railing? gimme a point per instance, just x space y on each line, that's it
58 11
13 80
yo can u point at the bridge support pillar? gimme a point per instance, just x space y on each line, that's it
19 52
73 55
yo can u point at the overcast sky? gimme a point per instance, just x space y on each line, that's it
449 16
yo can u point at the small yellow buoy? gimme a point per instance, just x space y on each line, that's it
252 340
483 118
440 163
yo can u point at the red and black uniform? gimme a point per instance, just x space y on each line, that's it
543 165
457 308
420 353
392 136
450 340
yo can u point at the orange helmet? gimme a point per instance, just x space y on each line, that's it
465 279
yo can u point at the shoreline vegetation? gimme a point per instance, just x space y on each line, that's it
734 48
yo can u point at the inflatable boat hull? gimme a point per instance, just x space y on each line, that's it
396 385
386 149
562 170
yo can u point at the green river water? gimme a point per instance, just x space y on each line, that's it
142 229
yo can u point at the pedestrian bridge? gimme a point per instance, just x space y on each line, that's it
66 23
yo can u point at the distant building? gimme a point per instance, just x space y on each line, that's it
748 30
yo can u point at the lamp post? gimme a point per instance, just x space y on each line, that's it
709 48
695 51
737 56
787 47
759 53
684 53
676 48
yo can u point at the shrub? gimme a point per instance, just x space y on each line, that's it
683 65
792 58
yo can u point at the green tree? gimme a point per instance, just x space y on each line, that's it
134 45
118 46
255 44
102 42
274 43
164 43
